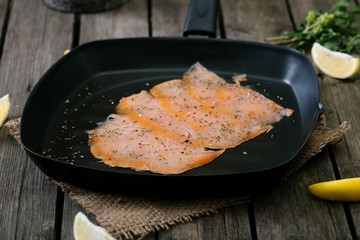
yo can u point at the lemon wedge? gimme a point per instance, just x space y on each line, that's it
334 64
4 108
346 190
86 230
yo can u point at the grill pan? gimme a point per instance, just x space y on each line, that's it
83 87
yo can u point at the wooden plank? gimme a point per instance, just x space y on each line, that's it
290 211
130 20
287 210
168 17
341 99
255 20
229 223
36 38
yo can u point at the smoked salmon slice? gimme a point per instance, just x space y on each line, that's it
183 123
122 142
223 114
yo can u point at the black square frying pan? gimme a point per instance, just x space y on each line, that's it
84 86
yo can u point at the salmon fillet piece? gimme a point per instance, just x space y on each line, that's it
147 110
183 123
122 142
223 114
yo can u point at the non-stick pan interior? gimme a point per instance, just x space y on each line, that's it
83 88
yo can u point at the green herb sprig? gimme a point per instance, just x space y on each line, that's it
333 29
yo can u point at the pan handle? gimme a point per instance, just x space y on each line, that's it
201 18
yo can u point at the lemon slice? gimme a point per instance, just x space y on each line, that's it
346 190
4 108
86 230
334 64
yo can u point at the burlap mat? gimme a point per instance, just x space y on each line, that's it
129 217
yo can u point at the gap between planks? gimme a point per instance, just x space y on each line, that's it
5 25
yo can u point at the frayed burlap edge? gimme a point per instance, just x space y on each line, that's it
14 128
129 217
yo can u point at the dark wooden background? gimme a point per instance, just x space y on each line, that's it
33 37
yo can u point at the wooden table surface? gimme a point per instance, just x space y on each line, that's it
33 37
